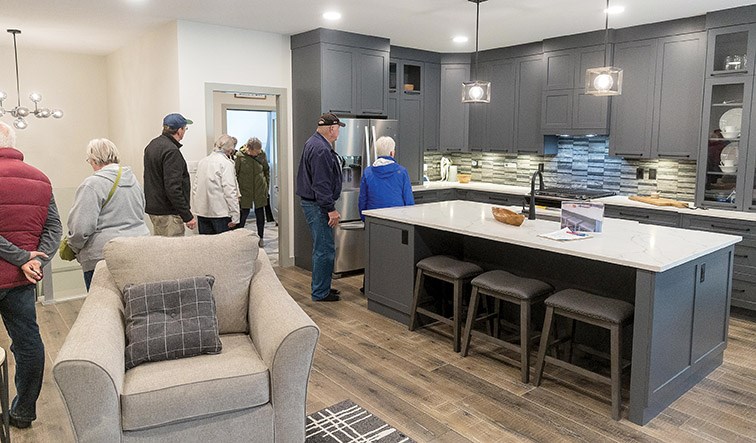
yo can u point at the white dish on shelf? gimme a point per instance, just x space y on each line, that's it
730 152
730 135
729 169
732 117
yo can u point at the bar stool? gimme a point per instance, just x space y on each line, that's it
504 286
5 426
450 270
596 310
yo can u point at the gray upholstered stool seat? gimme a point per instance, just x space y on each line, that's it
449 267
450 270
591 305
604 312
505 286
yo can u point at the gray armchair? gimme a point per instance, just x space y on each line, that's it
254 390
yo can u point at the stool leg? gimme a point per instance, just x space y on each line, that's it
570 343
457 314
490 302
471 312
497 318
525 341
416 298
547 323
616 363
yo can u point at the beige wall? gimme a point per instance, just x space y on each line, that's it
143 87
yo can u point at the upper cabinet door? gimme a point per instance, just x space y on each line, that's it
372 82
528 138
479 129
560 70
679 92
454 113
431 105
501 115
731 50
339 88
632 112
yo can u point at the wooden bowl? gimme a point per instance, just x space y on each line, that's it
506 216
464 178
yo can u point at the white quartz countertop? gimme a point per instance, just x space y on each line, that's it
622 242
616 200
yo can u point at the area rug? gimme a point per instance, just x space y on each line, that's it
349 422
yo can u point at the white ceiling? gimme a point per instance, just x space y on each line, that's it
102 26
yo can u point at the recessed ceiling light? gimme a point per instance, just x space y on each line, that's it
615 10
331 15
460 39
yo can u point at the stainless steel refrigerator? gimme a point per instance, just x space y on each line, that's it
356 146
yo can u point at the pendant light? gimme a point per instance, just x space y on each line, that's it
19 112
606 80
476 91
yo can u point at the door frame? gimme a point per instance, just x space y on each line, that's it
284 153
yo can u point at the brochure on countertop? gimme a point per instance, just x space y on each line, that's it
565 234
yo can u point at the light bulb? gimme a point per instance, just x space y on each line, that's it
331 15
22 111
603 82
57 113
3 95
42 113
19 123
476 92
35 97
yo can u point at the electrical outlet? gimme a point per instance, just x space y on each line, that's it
652 174
510 165
639 174
475 163
540 167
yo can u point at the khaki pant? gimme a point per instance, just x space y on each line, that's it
168 225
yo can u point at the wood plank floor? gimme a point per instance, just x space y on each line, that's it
415 382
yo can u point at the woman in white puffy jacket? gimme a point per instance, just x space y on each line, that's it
215 193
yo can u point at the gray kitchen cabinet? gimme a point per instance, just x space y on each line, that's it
434 195
501 112
528 138
355 80
565 108
406 105
645 216
658 113
478 127
744 269
727 42
493 198
454 114
371 82
431 106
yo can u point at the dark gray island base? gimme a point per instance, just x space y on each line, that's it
681 313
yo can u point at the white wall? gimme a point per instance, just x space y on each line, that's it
143 86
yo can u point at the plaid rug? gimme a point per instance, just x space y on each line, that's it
349 422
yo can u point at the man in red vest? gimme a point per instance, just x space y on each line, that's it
30 232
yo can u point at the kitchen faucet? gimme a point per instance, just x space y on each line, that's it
539 174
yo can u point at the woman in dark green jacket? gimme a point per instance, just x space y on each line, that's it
253 175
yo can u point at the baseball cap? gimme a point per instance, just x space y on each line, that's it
175 121
329 119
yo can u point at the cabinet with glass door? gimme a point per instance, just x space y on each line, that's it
725 157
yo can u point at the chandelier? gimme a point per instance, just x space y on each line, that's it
20 112
606 80
476 91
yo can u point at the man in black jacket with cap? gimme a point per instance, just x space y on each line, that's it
166 180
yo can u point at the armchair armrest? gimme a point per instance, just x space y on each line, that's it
89 370
285 337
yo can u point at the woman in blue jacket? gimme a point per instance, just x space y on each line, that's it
385 183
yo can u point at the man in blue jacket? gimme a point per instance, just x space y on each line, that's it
386 183
319 186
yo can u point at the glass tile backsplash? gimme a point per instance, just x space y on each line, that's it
579 163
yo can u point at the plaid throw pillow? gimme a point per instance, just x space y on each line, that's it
170 319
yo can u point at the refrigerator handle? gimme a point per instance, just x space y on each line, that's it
367 147
374 140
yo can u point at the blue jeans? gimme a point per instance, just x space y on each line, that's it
213 225
17 307
88 278
323 249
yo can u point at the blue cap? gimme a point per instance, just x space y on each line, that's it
175 121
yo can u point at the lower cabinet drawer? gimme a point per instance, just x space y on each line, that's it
646 216
744 290
745 255
745 229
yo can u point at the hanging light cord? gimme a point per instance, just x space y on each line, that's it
477 27
606 32
15 52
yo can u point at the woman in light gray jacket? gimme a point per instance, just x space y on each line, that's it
98 215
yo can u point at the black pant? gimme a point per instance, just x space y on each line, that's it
259 219
212 225
269 212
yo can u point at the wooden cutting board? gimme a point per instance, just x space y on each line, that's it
658 201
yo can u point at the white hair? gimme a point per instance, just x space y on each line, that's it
7 136
384 145
102 151
226 143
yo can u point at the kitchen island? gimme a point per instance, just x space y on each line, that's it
678 280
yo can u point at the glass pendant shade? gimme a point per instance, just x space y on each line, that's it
476 92
604 81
